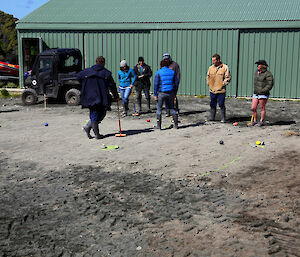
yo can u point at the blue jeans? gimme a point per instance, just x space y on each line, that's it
125 92
214 98
168 98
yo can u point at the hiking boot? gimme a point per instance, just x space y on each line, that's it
253 123
261 124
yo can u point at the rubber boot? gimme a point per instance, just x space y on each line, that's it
124 113
158 126
96 130
223 114
175 118
212 113
87 128
139 102
148 106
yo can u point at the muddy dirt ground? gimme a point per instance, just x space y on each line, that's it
161 193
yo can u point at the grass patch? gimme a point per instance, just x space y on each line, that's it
5 94
12 85
5 84
201 96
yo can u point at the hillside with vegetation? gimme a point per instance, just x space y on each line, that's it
8 38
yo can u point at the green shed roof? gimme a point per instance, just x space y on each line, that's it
143 14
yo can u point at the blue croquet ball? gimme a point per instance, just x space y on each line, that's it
221 142
46 124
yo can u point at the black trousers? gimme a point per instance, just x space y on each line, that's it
139 95
97 113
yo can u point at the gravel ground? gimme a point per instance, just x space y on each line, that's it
161 193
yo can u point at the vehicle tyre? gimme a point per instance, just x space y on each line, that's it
73 97
29 96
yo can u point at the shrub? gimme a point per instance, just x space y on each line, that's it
11 85
4 93
2 84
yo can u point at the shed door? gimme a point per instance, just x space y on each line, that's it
30 47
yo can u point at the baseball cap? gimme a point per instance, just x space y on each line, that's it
263 62
123 63
166 56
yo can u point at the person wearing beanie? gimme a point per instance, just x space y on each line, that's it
96 83
165 86
175 67
218 77
143 73
126 77
263 83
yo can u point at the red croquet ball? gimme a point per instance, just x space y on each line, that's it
148 120
235 124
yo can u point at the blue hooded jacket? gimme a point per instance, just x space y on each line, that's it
125 78
96 82
165 81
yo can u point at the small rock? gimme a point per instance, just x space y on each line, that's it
139 248
216 216
272 241
274 249
268 235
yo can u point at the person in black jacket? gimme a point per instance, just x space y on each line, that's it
142 83
97 82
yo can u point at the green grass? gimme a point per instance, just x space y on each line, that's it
5 94
5 84
201 96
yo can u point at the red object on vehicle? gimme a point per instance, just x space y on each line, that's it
9 69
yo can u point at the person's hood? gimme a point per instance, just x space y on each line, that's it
97 67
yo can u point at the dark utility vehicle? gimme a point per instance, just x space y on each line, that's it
54 75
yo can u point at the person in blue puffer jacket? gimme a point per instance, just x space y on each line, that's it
126 77
165 86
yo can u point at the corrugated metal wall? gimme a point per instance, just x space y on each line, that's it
281 51
192 49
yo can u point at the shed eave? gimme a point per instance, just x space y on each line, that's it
158 25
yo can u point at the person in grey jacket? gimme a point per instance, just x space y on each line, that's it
263 83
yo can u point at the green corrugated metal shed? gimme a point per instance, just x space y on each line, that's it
192 31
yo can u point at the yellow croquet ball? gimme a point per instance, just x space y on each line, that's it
258 142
